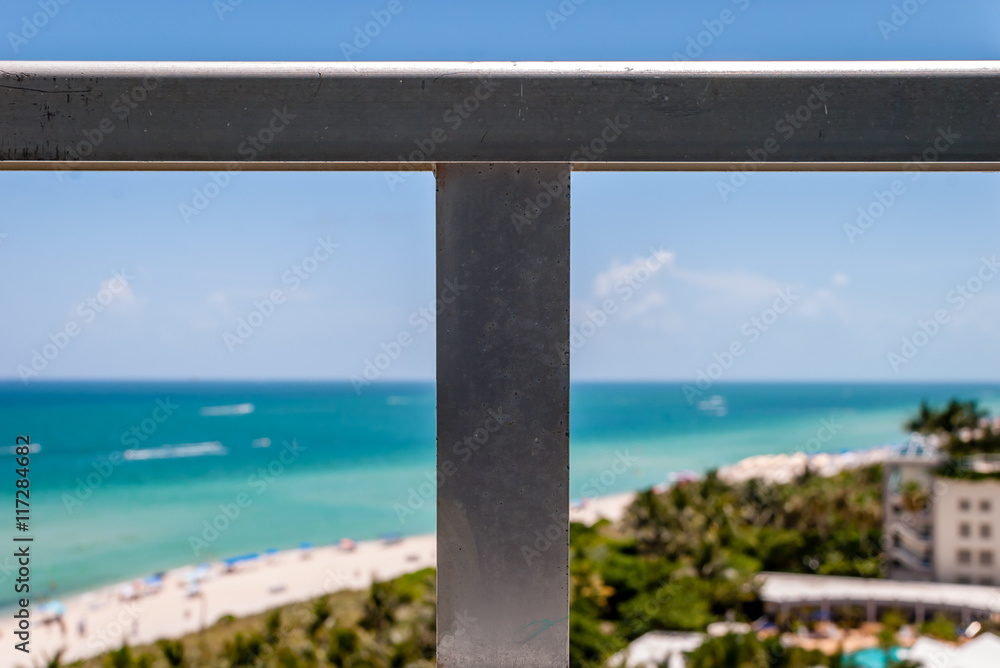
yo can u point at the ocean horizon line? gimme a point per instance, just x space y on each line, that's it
586 381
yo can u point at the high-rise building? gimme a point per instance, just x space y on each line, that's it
941 525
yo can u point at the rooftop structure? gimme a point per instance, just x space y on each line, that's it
656 649
785 591
980 652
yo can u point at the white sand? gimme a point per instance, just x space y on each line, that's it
611 507
270 581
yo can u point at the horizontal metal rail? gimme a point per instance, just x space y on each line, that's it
409 116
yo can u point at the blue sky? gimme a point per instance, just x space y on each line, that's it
721 264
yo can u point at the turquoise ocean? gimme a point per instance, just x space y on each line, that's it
125 474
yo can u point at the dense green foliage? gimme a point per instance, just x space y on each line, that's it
689 556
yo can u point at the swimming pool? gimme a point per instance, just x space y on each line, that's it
873 657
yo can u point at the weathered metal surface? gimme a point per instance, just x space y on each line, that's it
672 115
503 415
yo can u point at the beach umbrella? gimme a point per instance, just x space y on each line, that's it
232 561
55 608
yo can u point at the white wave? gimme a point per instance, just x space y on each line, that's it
715 405
177 451
235 409
261 443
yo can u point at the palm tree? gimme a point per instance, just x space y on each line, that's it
956 415
913 496
173 652
646 517
321 612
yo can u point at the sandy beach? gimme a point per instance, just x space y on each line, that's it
110 617
125 613
251 587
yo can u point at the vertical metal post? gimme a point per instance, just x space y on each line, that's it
503 414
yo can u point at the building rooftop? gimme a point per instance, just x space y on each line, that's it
794 588
981 652
920 448
657 648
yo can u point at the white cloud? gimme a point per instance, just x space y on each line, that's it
647 301
743 285
639 269
840 279
818 302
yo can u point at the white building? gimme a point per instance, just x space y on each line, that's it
954 535
981 652
967 531
657 648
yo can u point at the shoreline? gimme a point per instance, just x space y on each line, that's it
138 614
111 617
